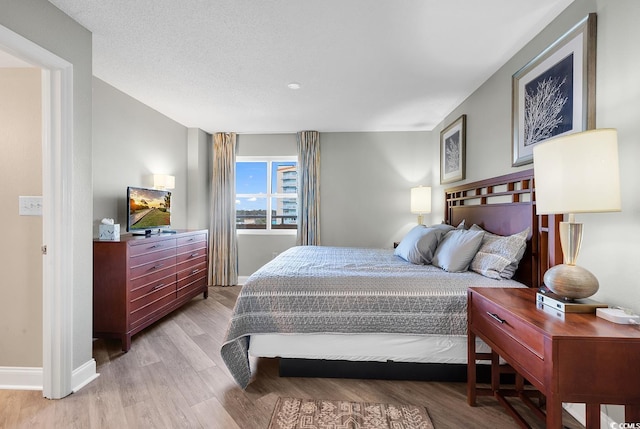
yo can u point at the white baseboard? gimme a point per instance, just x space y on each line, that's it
84 375
242 279
21 378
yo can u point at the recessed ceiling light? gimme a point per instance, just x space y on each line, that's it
293 85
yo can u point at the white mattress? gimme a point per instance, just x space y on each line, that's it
365 347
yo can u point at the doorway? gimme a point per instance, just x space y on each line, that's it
57 197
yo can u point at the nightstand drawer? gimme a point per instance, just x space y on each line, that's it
515 338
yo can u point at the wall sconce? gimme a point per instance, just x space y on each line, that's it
576 173
164 181
421 201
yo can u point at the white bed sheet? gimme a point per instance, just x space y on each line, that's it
361 347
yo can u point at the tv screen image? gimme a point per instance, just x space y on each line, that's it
148 208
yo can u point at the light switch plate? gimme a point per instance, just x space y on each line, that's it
29 206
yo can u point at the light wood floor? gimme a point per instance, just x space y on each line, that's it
174 377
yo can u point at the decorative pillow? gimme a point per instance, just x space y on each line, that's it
419 244
457 249
444 227
499 256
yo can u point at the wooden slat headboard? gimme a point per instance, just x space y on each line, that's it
505 205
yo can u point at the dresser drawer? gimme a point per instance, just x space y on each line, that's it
191 251
153 294
166 265
193 270
151 247
196 238
190 262
513 337
192 279
136 261
151 310
144 285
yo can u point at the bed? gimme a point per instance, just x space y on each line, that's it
315 304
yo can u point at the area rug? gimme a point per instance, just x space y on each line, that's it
293 413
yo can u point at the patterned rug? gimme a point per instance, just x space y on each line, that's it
293 413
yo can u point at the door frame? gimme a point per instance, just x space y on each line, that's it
57 197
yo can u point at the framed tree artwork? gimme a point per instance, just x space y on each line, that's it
453 140
554 94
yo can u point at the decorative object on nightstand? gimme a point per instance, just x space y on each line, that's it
421 201
584 305
576 173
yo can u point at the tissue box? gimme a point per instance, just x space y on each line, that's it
109 232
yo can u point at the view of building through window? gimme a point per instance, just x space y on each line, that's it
266 194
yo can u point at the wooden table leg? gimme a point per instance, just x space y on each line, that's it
495 371
554 412
593 416
632 413
471 368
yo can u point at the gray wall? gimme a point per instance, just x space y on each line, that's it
609 247
45 25
365 180
365 185
199 157
132 142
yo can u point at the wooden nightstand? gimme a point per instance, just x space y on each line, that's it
578 358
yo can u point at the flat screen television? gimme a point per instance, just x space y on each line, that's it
149 210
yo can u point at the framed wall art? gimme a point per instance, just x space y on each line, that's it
554 93
453 140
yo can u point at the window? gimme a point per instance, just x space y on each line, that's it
266 194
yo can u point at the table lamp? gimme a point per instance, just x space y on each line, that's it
421 201
576 173
164 181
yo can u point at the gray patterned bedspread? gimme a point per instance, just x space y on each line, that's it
316 289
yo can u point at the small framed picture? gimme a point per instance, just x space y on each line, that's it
554 94
453 140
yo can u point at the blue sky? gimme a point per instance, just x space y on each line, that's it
251 178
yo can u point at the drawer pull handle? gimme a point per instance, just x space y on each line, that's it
155 267
156 287
496 317
193 255
195 271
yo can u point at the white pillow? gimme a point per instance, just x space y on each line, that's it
499 256
457 249
419 244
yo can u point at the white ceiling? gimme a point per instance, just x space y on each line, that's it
363 65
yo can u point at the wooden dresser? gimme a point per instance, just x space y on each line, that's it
568 357
138 280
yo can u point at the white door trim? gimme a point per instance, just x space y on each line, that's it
57 193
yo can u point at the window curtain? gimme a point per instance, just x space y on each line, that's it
223 244
308 188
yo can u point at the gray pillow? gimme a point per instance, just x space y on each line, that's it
499 256
457 249
442 227
419 244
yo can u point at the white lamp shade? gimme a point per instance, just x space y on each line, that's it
164 181
578 173
421 199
